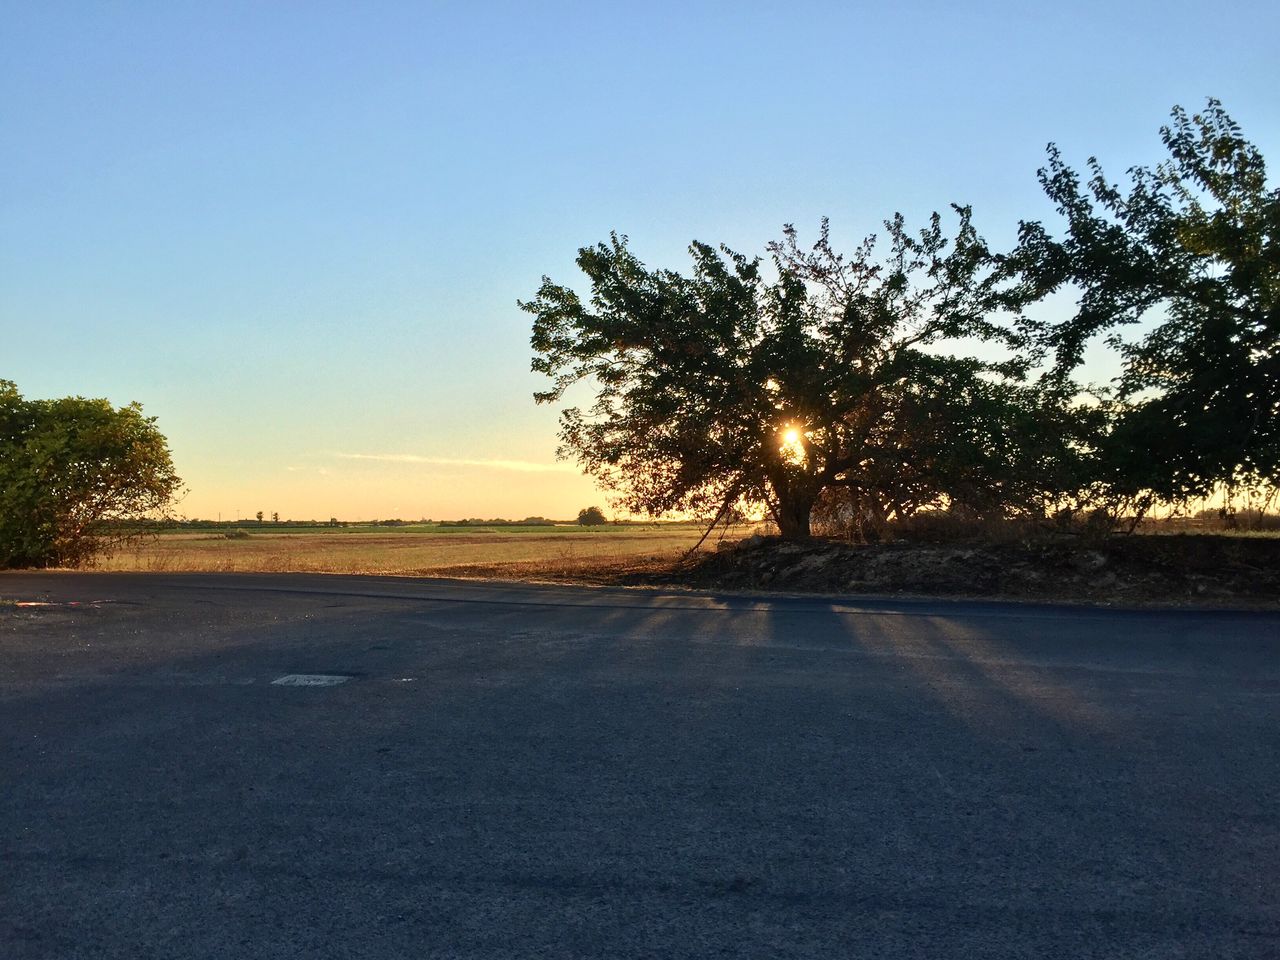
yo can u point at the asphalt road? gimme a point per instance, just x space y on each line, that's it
522 771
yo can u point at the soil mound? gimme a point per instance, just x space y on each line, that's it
1235 571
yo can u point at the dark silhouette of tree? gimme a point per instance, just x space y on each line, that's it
591 517
259 515
756 384
76 477
1191 248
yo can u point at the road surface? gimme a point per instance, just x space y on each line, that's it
514 771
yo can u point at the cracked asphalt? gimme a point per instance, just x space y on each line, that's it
535 771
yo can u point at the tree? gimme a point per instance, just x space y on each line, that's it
76 476
591 517
729 388
259 516
1188 258
275 517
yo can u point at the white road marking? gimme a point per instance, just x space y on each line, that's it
942 780
309 680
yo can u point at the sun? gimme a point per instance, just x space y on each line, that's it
792 447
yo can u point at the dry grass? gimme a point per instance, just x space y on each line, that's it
489 554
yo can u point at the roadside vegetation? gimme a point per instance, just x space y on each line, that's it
76 477
413 550
1199 560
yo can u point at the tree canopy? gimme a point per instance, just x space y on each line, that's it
74 473
1181 272
773 382
766 382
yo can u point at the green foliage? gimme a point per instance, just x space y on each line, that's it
1190 251
591 517
729 388
74 474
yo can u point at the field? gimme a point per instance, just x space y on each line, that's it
419 550
1174 562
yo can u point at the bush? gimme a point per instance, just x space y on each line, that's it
76 477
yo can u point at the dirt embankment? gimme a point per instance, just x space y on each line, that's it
1209 570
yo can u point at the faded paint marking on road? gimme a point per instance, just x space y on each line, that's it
309 680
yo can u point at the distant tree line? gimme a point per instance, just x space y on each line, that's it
477 522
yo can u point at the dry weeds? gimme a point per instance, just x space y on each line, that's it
582 556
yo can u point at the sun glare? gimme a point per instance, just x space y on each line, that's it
792 446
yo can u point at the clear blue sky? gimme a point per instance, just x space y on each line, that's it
294 231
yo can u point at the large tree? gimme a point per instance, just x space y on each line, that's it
764 383
1180 270
75 476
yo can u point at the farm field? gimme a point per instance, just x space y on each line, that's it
421 550
1167 562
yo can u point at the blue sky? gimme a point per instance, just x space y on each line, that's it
296 232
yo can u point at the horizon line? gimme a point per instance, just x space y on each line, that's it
520 466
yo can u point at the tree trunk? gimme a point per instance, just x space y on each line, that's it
793 517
